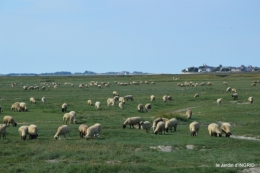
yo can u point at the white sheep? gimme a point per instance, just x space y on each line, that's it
43 99
89 102
152 98
121 105
116 98
164 98
196 95
23 131
129 97
189 114
214 130
23 106
194 128
62 130
219 101
155 122
25 87
250 99
121 99
3 131
16 106
234 96
93 131
110 102
33 131
169 98
160 128
228 89
83 130
9 120
132 121
148 107
225 83
140 107
32 100
98 105
145 125
226 128
64 107
115 93
69 117
171 123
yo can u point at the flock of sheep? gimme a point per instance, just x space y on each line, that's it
159 125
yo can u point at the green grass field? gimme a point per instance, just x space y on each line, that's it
131 150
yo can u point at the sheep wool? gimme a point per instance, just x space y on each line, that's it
145 125
32 100
226 128
219 101
121 105
33 131
9 120
93 131
98 105
160 128
43 99
189 114
152 98
89 102
251 99
171 123
23 106
83 130
62 130
140 107
155 122
148 107
194 128
214 130
110 102
3 131
132 121
23 131
64 107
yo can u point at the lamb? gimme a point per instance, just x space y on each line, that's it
219 101
3 131
226 128
129 97
160 128
152 98
62 130
140 107
132 121
148 107
89 102
23 106
9 120
83 130
23 131
145 125
250 99
121 99
43 99
234 96
196 95
110 102
194 128
189 113
32 100
171 123
214 130
98 105
64 107
115 93
33 131
93 131
121 105
16 106
71 117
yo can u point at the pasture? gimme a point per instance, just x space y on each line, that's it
132 150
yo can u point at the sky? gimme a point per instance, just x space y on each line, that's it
154 36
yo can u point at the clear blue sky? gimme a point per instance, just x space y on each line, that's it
156 36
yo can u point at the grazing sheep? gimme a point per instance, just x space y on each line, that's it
9 120
129 97
234 90
132 121
71 117
209 83
99 86
145 125
43 88
64 107
98 105
33 131
36 88
196 95
214 130
81 86
62 130
32 100
23 131
116 98
115 93
164 98
110 102
234 96
169 98
83 130
89 102
43 99
226 128
253 84
25 87
189 113
219 101
140 107
148 107
3 131
171 123
228 89
23 106
250 99
225 83
93 131
194 128
155 122
16 106
121 105
121 99
152 98
160 128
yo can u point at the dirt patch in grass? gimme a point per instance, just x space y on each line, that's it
185 109
163 148
52 161
251 170
245 138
